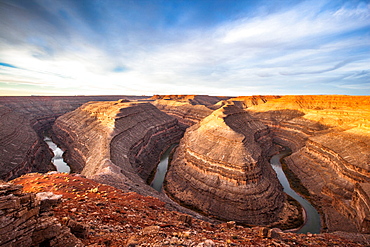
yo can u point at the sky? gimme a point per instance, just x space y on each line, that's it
214 47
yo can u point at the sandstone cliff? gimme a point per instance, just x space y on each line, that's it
330 139
23 123
118 142
188 109
248 101
43 110
21 150
186 113
221 168
205 100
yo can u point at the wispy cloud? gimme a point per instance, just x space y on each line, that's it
263 50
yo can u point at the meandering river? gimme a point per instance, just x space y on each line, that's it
58 156
312 223
161 170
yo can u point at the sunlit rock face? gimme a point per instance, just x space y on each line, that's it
248 101
330 139
116 142
221 168
21 149
187 109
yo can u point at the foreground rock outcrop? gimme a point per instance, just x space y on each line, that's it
117 142
27 220
330 139
221 168
111 217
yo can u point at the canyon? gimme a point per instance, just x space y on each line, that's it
221 168
116 142
221 165
24 121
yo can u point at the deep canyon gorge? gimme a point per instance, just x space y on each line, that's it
220 168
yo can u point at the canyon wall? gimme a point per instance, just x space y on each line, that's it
119 142
330 139
248 101
23 123
43 110
221 168
187 109
21 149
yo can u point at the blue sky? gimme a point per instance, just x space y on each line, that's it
66 47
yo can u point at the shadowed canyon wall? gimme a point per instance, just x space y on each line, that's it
221 168
21 149
117 143
23 122
330 139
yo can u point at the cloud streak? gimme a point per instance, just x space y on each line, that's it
163 48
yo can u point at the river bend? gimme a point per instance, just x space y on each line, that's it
312 223
57 160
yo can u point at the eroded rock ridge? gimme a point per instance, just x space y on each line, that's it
221 168
116 142
330 139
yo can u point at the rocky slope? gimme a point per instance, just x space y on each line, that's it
117 142
101 215
221 168
330 139
21 150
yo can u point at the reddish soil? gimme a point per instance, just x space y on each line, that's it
115 218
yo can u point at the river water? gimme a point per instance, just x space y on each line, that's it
312 224
58 158
161 170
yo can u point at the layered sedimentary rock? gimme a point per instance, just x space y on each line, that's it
186 114
248 101
116 142
43 110
21 149
330 139
26 219
221 168
23 123
205 100
188 109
